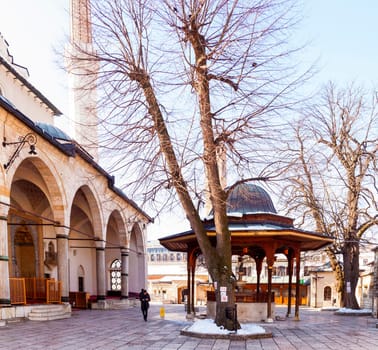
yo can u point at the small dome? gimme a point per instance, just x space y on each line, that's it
54 131
249 198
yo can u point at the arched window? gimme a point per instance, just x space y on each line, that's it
80 275
327 293
115 275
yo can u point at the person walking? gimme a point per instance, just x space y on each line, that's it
145 299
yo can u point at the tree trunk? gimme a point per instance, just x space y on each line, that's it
226 312
337 268
351 273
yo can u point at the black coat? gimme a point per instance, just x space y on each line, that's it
144 300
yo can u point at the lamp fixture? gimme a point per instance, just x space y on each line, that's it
29 138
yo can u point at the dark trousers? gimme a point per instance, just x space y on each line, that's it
145 313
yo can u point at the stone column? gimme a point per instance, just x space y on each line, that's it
4 258
124 273
100 269
62 251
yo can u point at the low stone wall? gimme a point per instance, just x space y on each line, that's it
247 312
19 312
14 312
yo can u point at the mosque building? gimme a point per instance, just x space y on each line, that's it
66 231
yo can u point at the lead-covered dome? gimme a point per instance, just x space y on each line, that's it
54 131
248 198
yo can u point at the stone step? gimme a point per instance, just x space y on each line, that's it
49 312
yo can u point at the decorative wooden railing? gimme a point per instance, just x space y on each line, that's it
17 290
36 289
53 291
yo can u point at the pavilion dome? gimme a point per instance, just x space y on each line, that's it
248 198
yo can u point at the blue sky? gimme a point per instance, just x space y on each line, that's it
342 34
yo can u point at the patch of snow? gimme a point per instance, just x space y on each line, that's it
353 311
208 326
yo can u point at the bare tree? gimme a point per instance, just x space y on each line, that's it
332 181
181 85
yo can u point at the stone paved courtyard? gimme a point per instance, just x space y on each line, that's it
126 329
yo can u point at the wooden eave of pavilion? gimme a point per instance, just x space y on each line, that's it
252 230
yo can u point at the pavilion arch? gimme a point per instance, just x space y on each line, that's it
137 262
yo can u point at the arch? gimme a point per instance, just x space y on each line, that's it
327 293
85 227
36 202
87 207
42 174
115 240
137 264
116 233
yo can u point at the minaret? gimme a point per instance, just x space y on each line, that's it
82 75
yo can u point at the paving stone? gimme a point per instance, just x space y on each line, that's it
126 329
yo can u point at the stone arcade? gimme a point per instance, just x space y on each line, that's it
66 232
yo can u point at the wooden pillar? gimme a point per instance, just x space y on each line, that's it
258 261
297 282
270 262
193 267
290 258
188 282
